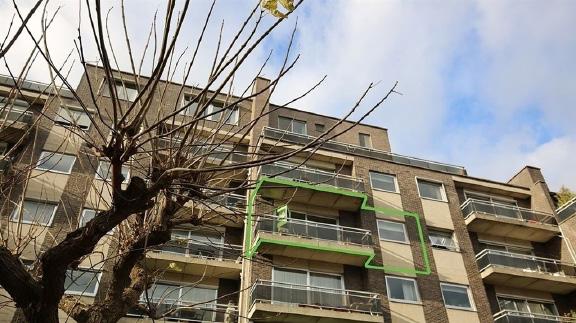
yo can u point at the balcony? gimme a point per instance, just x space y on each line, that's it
195 258
15 119
190 312
523 317
324 181
312 240
283 302
509 221
529 272
566 211
286 136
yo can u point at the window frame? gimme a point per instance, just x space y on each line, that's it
319 127
396 187
53 153
442 247
184 102
526 300
414 283
468 294
308 274
291 130
406 239
60 121
222 112
492 198
125 86
365 135
442 192
17 210
84 209
98 177
84 293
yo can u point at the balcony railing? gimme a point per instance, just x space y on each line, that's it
282 135
526 263
203 250
314 230
264 291
506 211
312 176
567 210
190 312
523 317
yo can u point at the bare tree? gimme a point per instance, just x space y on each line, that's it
176 141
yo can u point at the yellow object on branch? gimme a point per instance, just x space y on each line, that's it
272 6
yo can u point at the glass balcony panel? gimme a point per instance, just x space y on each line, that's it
488 258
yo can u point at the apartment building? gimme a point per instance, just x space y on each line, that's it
351 232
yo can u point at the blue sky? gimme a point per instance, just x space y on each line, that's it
488 84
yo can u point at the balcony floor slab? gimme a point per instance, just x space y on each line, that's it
518 278
511 228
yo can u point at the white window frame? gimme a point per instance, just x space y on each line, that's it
63 122
16 212
406 240
185 101
468 293
308 285
366 135
122 88
396 187
414 283
507 246
222 112
128 173
443 191
82 216
44 156
96 287
439 247
179 302
291 130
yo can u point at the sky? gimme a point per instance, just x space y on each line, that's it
486 84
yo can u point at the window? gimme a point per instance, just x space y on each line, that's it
87 215
319 127
73 116
442 240
292 125
35 212
521 250
306 287
402 289
384 182
173 302
490 199
55 162
528 306
82 282
431 190
394 231
104 171
365 140
456 296
196 243
191 108
124 91
213 112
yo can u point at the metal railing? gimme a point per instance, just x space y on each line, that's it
264 291
526 263
204 250
506 211
567 210
314 230
283 135
311 175
189 312
507 316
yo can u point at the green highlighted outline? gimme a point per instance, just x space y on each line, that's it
252 249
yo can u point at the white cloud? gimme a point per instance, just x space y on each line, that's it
507 58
